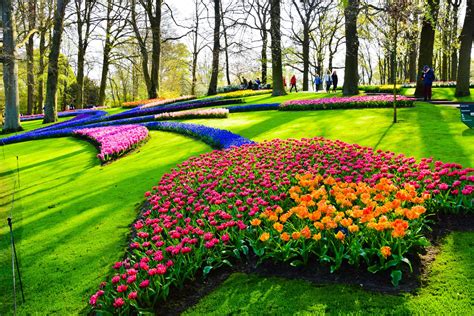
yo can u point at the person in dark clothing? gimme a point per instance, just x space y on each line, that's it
258 82
334 81
428 77
244 83
317 82
293 83
250 86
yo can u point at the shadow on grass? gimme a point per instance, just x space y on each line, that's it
267 125
468 132
431 123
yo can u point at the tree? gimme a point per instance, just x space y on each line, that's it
307 12
27 9
115 23
10 69
83 10
454 40
215 50
50 106
275 32
425 55
466 38
153 13
351 75
259 13
44 17
197 48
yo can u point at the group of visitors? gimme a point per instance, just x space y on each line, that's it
254 85
328 80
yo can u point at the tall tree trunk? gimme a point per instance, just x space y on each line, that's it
30 77
106 55
155 53
445 43
226 48
195 48
454 39
264 55
80 78
305 57
215 50
41 66
464 69
351 76
425 56
105 73
10 69
277 66
50 106
412 60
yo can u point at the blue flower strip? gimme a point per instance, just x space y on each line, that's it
216 138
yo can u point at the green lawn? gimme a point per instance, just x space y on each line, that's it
442 94
72 215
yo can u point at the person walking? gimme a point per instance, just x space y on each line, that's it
317 81
327 80
428 77
334 81
293 83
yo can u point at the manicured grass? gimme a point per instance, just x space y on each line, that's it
72 216
267 98
423 131
448 291
442 94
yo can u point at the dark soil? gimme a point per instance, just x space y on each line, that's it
180 300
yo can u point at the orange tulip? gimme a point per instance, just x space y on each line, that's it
385 251
264 237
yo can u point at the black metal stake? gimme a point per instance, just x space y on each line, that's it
18 170
15 260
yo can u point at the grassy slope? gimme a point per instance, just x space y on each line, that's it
449 291
72 216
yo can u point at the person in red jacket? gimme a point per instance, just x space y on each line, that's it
293 83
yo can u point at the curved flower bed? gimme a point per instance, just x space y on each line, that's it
193 114
216 138
243 93
133 104
220 205
114 141
378 101
167 101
